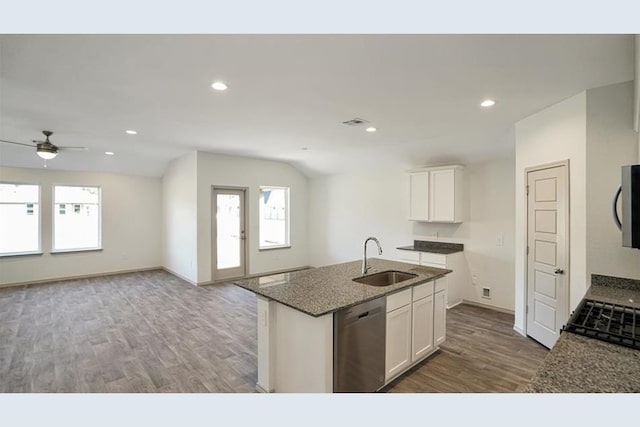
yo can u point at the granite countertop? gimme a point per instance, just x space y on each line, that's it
319 291
579 364
444 248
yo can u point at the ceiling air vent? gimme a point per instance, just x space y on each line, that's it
355 122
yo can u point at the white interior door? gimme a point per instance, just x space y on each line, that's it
547 250
229 234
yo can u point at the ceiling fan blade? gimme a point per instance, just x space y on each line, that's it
17 143
73 148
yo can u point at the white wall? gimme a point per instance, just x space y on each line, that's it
179 217
346 209
611 143
131 227
231 171
554 134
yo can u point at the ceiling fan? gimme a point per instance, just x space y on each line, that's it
46 149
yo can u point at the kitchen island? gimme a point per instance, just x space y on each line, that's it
296 319
579 364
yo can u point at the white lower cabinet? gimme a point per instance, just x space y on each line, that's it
422 328
398 345
415 325
440 316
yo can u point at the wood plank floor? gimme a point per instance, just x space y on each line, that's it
142 332
152 332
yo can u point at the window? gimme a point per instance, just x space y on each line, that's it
19 219
274 217
77 228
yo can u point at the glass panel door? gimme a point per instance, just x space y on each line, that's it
229 232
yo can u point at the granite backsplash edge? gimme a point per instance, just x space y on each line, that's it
615 282
427 244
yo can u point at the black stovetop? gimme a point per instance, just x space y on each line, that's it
612 323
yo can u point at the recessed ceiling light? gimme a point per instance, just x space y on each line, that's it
371 129
131 132
488 103
219 86
109 153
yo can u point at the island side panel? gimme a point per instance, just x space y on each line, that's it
304 352
266 311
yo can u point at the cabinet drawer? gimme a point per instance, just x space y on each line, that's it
441 284
431 258
422 291
409 256
398 299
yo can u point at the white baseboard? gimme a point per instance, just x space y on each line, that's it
259 389
83 276
453 305
520 331
179 276
490 307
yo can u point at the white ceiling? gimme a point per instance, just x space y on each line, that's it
287 92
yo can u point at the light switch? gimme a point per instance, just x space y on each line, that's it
500 241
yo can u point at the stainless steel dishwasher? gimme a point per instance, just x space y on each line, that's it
359 347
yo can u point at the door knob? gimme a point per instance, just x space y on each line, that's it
558 271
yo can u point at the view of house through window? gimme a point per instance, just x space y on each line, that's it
19 218
274 217
76 220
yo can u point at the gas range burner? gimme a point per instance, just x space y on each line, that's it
612 323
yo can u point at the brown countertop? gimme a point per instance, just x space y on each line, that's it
323 290
444 248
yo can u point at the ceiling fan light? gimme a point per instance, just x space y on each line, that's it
46 153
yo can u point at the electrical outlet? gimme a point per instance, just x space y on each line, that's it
500 241
486 293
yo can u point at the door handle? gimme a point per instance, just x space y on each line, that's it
242 236
558 271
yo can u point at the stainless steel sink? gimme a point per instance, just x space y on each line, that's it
385 278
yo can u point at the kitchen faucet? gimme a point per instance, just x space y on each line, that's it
365 266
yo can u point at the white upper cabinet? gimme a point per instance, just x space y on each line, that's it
437 194
419 197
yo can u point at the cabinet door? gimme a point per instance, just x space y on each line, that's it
422 328
419 196
440 317
398 348
442 195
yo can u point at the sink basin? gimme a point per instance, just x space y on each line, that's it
385 278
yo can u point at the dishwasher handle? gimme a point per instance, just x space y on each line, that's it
361 316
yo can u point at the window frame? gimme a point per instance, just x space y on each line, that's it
39 202
287 217
53 220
